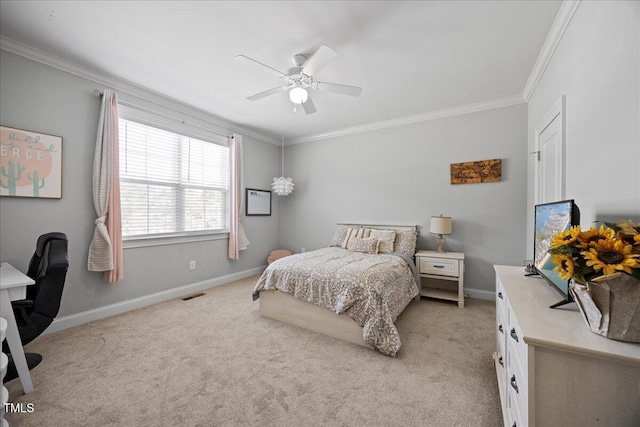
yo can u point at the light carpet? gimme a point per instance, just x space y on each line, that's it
214 361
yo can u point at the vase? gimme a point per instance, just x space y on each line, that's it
611 307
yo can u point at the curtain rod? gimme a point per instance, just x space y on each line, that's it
163 115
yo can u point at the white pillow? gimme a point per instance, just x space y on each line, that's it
386 237
406 242
367 245
339 235
359 233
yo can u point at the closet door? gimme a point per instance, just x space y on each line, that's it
550 155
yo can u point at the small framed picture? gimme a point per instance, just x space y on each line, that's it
258 202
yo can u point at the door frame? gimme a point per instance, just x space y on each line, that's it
559 108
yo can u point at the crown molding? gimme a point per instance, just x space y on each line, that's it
221 125
559 26
401 121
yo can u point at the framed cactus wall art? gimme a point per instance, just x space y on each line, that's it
30 164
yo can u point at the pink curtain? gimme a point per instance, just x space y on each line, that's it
105 251
114 215
237 239
234 205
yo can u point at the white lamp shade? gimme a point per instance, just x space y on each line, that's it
298 95
440 225
282 186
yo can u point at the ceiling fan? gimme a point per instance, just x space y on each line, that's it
299 79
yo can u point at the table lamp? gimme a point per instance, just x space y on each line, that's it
440 225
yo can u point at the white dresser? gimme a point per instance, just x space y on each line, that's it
551 369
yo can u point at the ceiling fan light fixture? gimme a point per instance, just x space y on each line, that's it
298 95
299 80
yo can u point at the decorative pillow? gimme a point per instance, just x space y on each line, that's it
368 245
355 232
406 242
386 237
339 235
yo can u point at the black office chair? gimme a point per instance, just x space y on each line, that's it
48 268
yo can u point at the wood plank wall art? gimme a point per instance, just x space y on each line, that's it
475 172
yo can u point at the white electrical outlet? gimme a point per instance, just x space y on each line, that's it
192 264
304 250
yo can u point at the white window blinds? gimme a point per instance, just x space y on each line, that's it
170 183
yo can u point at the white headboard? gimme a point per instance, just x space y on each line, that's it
383 226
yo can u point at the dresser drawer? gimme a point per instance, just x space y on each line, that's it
517 378
501 299
438 266
514 339
515 416
516 389
501 331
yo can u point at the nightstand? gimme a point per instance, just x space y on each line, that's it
437 268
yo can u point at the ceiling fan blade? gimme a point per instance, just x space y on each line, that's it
267 93
308 106
323 55
336 88
247 60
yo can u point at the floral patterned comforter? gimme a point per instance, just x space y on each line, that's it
371 289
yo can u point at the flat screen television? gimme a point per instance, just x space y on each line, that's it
551 218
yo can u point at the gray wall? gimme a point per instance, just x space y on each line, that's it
596 65
397 175
36 97
401 175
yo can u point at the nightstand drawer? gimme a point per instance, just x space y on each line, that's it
439 266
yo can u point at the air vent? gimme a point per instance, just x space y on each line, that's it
192 296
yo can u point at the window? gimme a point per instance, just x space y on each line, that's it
171 184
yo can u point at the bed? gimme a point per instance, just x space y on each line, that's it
343 292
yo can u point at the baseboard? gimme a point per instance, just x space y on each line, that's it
480 294
65 322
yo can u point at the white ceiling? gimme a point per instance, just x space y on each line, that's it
410 58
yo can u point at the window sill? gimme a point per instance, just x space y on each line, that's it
142 242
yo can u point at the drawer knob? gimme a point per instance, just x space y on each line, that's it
500 328
438 266
500 361
500 295
513 383
513 334
514 424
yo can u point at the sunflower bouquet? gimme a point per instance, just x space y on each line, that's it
587 255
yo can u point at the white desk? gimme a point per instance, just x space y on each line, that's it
13 286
